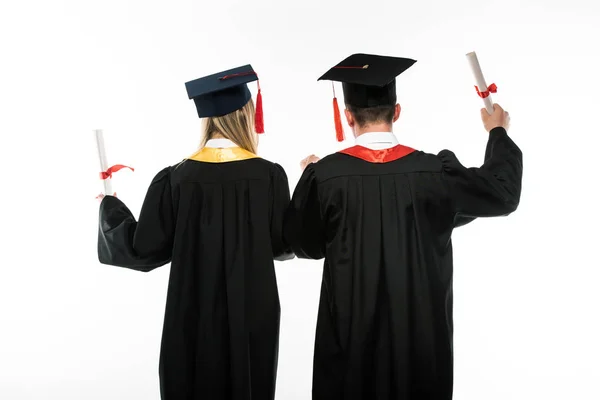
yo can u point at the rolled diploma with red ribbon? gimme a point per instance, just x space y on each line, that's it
480 81
103 164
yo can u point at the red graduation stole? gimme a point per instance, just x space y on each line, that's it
378 156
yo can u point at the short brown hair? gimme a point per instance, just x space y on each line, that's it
372 115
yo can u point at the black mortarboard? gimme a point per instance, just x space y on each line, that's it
367 81
225 92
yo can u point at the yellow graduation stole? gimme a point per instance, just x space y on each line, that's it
220 155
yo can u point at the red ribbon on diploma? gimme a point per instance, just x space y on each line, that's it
491 89
108 173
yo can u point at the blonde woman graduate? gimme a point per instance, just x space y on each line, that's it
217 218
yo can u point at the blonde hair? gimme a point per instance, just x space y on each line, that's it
237 126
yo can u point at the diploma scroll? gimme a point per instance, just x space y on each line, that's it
103 163
482 88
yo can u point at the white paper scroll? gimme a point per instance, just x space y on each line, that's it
103 163
480 80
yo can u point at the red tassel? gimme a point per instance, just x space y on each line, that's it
259 122
339 130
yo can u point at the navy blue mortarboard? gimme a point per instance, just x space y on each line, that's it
367 81
225 92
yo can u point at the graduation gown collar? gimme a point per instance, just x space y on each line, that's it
378 156
221 154
378 147
377 140
221 143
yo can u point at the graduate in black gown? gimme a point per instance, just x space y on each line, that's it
382 216
218 218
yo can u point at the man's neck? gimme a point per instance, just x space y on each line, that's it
372 128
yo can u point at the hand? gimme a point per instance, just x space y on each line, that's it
308 160
499 118
101 196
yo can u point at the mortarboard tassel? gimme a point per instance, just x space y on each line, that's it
339 130
259 122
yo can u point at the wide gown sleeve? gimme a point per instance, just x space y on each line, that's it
492 190
304 226
280 200
140 245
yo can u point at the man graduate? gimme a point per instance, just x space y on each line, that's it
382 216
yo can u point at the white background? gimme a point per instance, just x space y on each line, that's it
526 287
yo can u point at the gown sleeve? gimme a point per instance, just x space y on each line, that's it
139 245
280 200
492 190
304 226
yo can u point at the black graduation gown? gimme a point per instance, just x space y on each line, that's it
220 225
383 222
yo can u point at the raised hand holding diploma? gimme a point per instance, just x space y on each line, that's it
499 118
